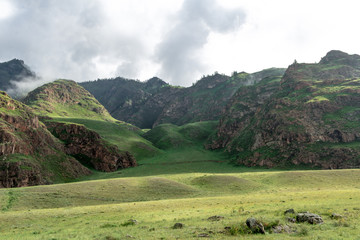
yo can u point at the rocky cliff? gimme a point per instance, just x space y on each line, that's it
311 118
66 101
89 148
29 154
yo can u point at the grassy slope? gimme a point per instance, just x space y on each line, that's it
181 151
123 135
65 98
82 108
96 209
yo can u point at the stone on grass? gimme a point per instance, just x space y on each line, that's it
255 226
309 217
282 229
336 216
215 218
203 235
129 222
178 226
289 211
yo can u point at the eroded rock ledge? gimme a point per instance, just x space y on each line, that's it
89 148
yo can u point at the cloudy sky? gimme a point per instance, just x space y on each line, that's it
176 40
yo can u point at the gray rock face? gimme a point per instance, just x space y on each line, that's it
255 225
309 217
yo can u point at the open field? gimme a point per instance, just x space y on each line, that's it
100 209
184 183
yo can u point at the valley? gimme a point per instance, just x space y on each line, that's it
122 159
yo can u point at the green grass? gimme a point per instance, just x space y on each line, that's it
65 98
347 117
125 136
99 209
318 99
169 136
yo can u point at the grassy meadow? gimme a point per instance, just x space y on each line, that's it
101 209
180 182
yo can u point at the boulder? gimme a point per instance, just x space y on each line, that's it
255 225
282 229
289 211
309 217
178 226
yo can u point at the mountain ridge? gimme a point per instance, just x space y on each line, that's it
129 101
309 119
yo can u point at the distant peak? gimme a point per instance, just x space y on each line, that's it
155 81
15 60
334 55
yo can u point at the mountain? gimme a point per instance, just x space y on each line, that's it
65 98
89 125
206 100
65 108
123 98
148 104
310 117
13 71
29 154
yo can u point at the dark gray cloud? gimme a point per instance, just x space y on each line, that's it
64 39
179 51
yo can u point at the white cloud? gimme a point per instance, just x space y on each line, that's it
7 10
177 40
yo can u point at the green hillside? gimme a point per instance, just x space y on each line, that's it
168 136
148 104
309 118
65 98
29 154
66 101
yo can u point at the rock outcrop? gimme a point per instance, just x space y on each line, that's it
310 117
29 154
88 147
255 225
309 218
